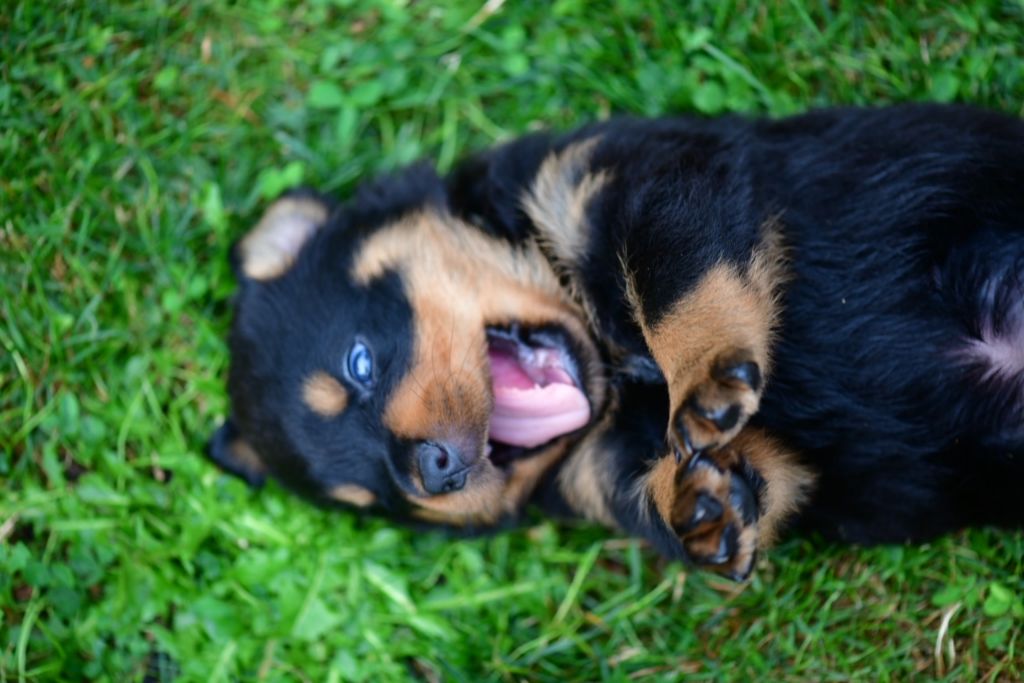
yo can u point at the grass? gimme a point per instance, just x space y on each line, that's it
138 139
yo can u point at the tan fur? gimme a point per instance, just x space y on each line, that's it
768 270
631 293
527 473
731 315
324 395
557 202
246 456
491 493
584 481
269 249
557 199
787 482
459 281
674 491
353 494
723 312
660 484
478 503
729 308
748 543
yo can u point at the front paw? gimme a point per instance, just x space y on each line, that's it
717 406
715 511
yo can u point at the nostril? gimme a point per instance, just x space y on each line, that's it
441 468
455 482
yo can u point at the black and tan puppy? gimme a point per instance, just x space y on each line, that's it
694 331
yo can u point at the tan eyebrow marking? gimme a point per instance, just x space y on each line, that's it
324 395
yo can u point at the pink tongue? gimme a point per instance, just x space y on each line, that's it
531 409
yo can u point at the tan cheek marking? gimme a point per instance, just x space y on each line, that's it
324 395
458 281
479 503
353 494
491 493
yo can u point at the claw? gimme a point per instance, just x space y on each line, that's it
683 435
741 498
727 545
700 459
724 418
740 575
694 462
688 444
748 373
706 509
753 479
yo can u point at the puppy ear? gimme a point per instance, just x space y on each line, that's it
234 455
270 248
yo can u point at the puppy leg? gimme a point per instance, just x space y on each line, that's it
234 455
713 347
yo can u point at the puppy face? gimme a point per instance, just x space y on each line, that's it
388 355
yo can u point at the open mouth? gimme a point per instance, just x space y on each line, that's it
538 395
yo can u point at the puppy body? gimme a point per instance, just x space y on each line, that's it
820 315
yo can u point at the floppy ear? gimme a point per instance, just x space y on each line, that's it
234 455
271 247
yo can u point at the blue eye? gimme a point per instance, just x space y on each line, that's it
360 364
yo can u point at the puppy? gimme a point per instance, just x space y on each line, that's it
693 331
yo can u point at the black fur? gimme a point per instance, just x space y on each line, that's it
895 219
904 230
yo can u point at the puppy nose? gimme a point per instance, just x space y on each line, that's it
441 467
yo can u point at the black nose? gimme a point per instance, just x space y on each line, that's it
441 468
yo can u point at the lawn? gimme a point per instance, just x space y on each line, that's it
138 139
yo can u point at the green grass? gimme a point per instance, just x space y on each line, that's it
137 140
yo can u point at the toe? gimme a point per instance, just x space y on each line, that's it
684 438
723 417
747 373
714 549
742 573
727 545
706 510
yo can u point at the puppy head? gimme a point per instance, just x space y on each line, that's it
388 355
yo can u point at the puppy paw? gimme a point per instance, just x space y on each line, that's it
715 511
716 406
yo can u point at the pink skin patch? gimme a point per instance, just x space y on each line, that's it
535 397
1001 352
